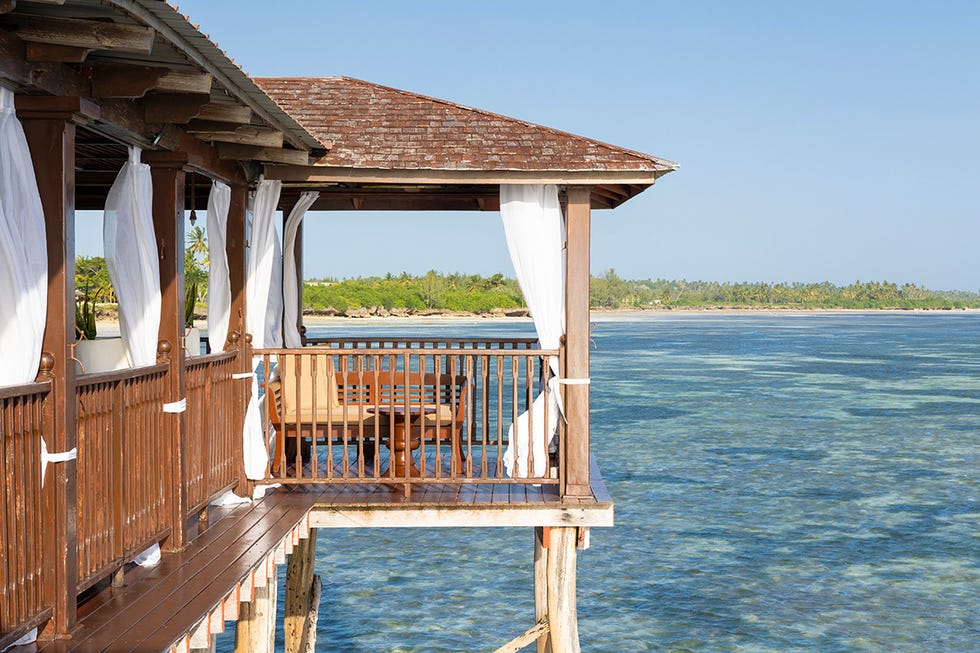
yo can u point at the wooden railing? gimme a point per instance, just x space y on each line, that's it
441 414
214 431
413 342
123 468
24 598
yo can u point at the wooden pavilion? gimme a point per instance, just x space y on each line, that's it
371 433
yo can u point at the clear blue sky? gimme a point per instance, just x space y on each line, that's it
818 141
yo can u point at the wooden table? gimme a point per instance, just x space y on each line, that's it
401 447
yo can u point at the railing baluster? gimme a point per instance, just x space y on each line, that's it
470 414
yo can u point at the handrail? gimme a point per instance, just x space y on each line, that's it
415 351
318 340
206 359
131 373
12 391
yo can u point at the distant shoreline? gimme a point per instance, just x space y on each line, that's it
110 327
625 312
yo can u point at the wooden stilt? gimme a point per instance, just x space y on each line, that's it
541 587
255 631
313 616
299 595
533 633
562 615
212 647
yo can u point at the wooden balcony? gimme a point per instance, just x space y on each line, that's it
410 414
362 433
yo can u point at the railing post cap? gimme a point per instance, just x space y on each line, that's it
47 363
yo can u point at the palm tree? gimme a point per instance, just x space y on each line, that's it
197 245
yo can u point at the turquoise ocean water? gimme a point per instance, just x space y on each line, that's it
782 483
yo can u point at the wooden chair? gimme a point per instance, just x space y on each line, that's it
309 399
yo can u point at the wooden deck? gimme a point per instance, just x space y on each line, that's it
160 608
459 505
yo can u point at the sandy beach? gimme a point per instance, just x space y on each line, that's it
110 328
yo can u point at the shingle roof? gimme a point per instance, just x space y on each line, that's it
373 126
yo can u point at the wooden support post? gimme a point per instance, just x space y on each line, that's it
541 587
562 614
235 246
167 170
49 124
255 631
578 216
298 604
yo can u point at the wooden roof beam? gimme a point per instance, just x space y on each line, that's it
177 108
268 154
221 112
6 6
52 52
488 203
324 174
79 33
136 81
229 133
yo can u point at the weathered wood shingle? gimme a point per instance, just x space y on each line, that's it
373 126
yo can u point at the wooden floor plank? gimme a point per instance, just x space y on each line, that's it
138 579
212 592
135 604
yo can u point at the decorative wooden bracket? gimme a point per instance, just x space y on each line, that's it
134 82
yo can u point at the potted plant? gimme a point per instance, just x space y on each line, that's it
192 336
85 319
95 354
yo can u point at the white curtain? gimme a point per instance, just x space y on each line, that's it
264 311
131 257
264 275
535 236
219 284
290 284
23 253
23 265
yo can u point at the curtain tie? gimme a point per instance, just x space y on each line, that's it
175 406
60 457
585 381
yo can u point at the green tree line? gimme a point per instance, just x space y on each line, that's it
478 294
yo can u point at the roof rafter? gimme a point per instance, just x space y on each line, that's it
80 33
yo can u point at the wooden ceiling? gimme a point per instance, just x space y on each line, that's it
156 81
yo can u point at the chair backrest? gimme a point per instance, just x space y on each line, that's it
317 385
